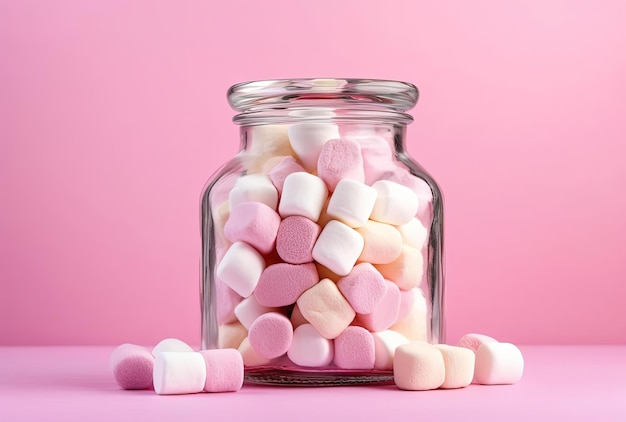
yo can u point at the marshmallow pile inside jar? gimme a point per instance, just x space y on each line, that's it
317 235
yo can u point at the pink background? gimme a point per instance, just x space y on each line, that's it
113 115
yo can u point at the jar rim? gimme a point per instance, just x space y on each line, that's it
378 94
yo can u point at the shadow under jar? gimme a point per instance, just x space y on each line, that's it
322 246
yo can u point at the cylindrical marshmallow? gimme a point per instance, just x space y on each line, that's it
395 203
271 335
340 159
354 349
249 309
179 373
385 313
385 345
406 270
303 194
473 341
231 335
226 301
338 247
281 284
418 366
383 242
414 325
284 168
326 309
307 140
459 363
498 363
296 238
253 188
132 366
249 356
241 278
352 202
364 288
224 370
171 345
309 348
254 223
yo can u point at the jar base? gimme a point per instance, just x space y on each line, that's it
316 379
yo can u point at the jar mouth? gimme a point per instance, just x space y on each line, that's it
376 95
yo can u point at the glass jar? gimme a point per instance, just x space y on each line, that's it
322 245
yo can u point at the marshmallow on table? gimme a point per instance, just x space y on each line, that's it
413 234
179 373
240 268
473 341
271 335
254 223
324 307
171 345
231 335
282 169
226 301
418 366
249 309
364 288
352 202
338 247
385 345
307 140
296 238
498 363
253 188
406 270
354 349
414 325
224 370
281 284
249 356
132 366
385 313
303 194
309 348
395 203
459 363
383 242
340 159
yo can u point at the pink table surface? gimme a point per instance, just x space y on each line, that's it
75 383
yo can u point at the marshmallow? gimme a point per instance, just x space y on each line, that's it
418 366
132 366
303 194
364 288
376 153
224 370
171 345
498 363
414 325
473 341
226 301
338 247
249 356
395 203
421 188
309 348
407 297
340 159
179 373
262 143
352 202
326 309
354 349
271 335
296 238
413 234
307 140
459 363
296 318
383 242
406 271
254 223
249 309
241 268
385 313
284 168
230 336
253 188
281 284
385 345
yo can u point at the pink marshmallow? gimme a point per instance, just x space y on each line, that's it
226 301
283 169
473 341
385 314
364 288
271 335
354 349
224 370
254 223
340 159
326 309
281 284
407 297
296 238
132 366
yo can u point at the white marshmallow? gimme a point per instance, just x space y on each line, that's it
307 140
303 194
179 373
338 247
352 202
249 309
473 341
385 345
413 233
241 268
171 345
254 188
459 363
395 203
309 348
498 363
